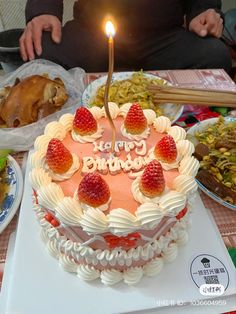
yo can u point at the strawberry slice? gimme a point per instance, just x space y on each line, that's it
58 157
165 150
93 190
84 122
135 121
152 181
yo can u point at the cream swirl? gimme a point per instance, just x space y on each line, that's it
85 207
154 267
97 112
50 196
122 222
182 237
68 174
170 254
189 166
41 142
50 231
162 124
68 263
43 236
150 115
185 148
172 202
52 248
87 273
162 243
124 109
149 215
136 137
166 166
110 277
87 138
55 129
133 275
113 108
94 221
69 211
139 196
177 133
174 165
38 177
67 121
185 184
37 159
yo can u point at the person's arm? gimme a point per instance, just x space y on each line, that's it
40 7
204 17
195 7
41 16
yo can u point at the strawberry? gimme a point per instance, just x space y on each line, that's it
135 121
93 190
48 217
58 157
165 150
152 181
84 122
182 213
55 223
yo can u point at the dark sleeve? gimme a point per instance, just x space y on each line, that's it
37 7
195 7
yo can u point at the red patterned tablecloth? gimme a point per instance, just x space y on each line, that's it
215 79
224 218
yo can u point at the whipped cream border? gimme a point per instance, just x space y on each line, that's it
82 261
119 221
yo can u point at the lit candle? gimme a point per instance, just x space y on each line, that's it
110 32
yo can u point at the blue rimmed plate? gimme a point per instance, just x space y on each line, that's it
12 198
172 111
200 127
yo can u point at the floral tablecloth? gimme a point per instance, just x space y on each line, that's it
224 218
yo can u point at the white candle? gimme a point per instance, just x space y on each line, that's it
110 32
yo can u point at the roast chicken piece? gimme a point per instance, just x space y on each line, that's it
31 99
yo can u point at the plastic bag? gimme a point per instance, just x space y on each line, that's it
22 138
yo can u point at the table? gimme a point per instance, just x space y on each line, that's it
224 218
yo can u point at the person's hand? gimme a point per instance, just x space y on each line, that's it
30 41
207 23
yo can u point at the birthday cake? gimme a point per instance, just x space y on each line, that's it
113 209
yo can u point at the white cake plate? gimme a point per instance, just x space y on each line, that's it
38 285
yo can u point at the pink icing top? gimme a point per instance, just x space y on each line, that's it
120 184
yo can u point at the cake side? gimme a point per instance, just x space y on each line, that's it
113 266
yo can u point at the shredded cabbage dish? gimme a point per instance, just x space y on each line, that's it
131 90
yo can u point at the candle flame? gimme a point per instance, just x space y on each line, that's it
110 29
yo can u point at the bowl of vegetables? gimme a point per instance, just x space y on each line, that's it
215 147
130 87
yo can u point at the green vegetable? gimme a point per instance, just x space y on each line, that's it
3 157
3 163
5 152
222 110
220 137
